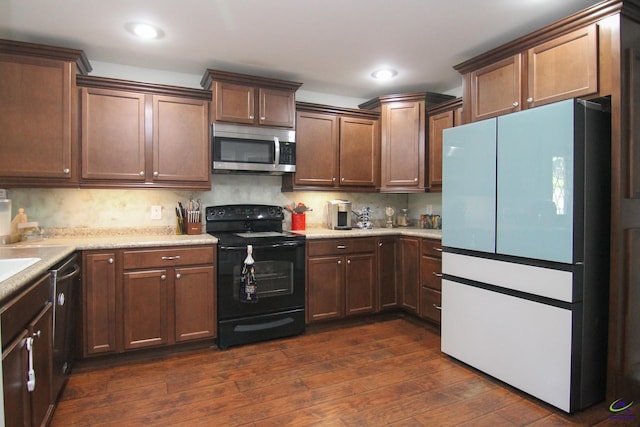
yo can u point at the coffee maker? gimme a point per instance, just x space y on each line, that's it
339 215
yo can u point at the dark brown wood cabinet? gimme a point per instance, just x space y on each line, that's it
37 114
403 139
99 320
431 280
143 298
409 254
441 117
335 147
142 135
563 67
341 278
234 99
388 290
27 341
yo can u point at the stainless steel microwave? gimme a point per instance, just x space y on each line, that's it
253 149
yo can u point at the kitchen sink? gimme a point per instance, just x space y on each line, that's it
11 266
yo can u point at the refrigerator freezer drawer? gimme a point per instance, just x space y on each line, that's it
544 282
523 343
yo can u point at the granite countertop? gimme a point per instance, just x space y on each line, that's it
325 233
53 250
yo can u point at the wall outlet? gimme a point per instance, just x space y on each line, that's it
156 212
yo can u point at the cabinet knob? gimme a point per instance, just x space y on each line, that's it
251 117
348 261
529 100
415 179
342 179
178 275
66 170
110 260
516 103
61 299
333 179
155 174
141 173
163 277
339 261
379 243
37 334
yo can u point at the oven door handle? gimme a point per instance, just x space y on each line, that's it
272 246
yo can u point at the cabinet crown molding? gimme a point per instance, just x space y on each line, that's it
13 47
128 85
330 109
244 79
430 98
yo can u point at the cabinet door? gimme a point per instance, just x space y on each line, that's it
234 103
36 118
360 284
403 140
437 123
145 308
387 273
113 135
40 330
180 139
316 149
99 306
409 273
195 305
276 107
17 403
324 288
565 67
359 152
496 89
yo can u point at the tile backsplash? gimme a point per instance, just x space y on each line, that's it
101 208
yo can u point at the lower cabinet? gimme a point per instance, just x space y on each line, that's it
160 297
409 253
431 280
341 278
27 354
388 291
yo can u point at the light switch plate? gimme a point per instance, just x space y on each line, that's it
156 212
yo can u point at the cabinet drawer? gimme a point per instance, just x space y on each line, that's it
431 272
432 248
340 246
168 257
17 313
431 307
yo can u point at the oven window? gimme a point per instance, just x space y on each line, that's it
273 279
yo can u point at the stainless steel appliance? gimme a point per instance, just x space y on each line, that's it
526 250
65 282
279 263
257 149
339 214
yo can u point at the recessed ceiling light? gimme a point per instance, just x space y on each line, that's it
144 31
384 74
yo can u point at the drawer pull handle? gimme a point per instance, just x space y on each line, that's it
170 258
436 274
437 307
437 249
342 247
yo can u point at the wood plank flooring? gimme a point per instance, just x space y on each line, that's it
371 373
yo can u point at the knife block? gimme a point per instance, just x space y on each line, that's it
194 228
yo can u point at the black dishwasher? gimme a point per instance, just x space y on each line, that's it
65 279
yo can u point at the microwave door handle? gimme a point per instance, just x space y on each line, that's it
276 143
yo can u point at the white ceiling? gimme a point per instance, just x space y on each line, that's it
331 46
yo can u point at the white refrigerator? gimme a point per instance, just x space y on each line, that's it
525 208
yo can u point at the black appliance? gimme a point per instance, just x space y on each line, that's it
279 272
65 280
253 149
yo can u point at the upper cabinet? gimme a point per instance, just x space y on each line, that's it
335 148
441 117
37 114
536 72
142 135
403 142
251 100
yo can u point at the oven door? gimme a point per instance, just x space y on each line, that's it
279 273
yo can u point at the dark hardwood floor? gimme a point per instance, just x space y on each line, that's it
371 373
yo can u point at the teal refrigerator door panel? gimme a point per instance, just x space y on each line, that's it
469 186
534 217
